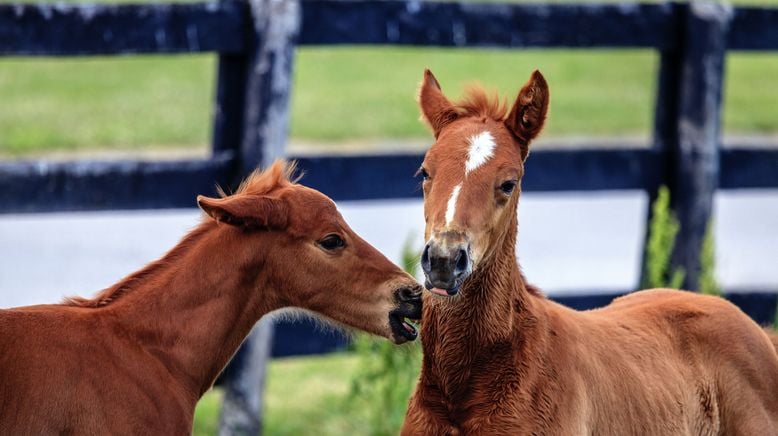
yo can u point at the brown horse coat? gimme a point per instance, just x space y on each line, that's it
136 358
500 358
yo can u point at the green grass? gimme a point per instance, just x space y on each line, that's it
751 93
369 92
346 93
304 396
68 104
206 421
307 395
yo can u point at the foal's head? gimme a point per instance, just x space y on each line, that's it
472 174
302 250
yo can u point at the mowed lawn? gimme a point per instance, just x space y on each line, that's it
305 395
344 94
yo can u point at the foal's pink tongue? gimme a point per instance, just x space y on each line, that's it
439 291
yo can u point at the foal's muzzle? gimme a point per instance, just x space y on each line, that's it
446 263
408 301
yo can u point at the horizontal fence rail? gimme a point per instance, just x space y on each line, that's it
753 28
391 176
64 186
748 168
489 25
77 30
71 186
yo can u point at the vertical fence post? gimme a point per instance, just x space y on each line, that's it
695 170
269 82
230 102
265 123
665 133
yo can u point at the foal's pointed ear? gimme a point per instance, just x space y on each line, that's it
436 110
528 114
250 211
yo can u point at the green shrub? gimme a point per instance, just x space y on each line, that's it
663 229
386 375
708 283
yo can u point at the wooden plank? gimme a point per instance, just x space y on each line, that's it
362 177
229 103
68 30
696 160
94 185
489 25
391 176
139 184
592 170
269 82
754 28
42 186
748 168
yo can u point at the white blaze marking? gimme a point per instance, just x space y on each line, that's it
481 149
451 207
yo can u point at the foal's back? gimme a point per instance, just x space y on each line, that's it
663 344
58 364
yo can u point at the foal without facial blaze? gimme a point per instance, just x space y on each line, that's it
137 357
499 358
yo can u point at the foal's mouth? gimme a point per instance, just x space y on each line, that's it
404 322
403 328
447 292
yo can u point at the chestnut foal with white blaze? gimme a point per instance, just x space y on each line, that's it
499 358
136 358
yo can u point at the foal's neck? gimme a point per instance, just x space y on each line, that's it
494 294
195 306
495 316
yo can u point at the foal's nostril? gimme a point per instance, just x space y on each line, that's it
425 259
461 263
409 294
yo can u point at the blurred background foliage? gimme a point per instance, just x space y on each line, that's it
152 102
164 102
663 229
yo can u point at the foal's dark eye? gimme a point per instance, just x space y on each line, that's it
508 187
332 242
423 173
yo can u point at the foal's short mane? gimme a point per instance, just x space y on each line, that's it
278 175
478 103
